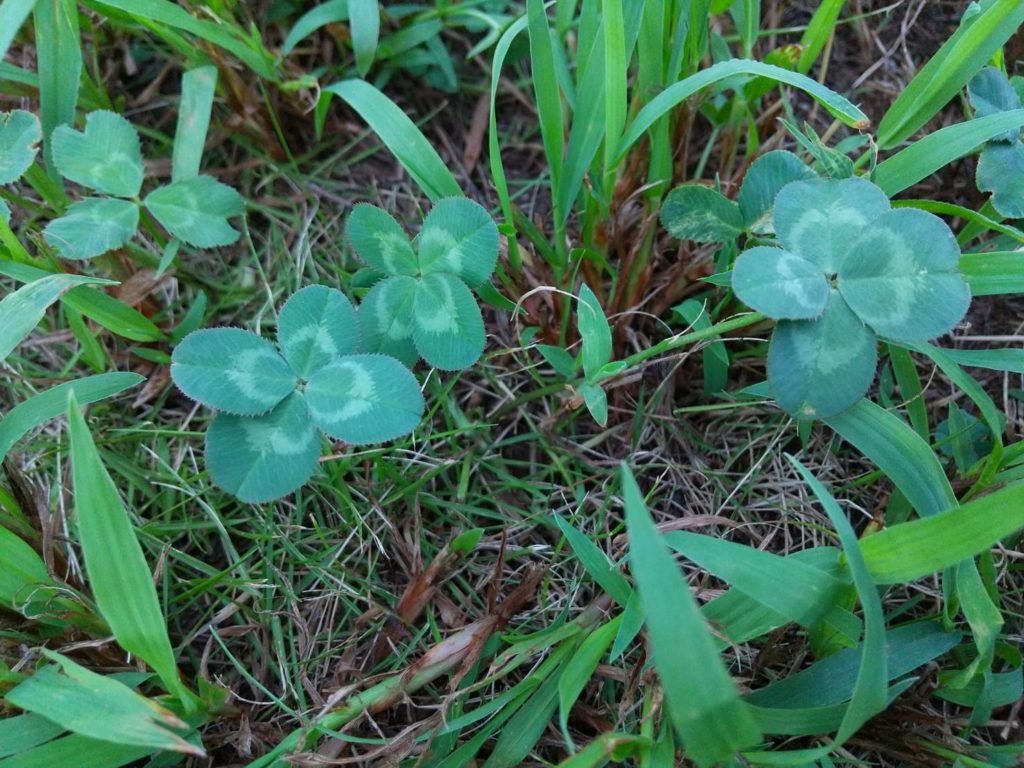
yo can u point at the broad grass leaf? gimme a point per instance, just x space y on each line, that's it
939 148
990 93
59 64
981 33
52 403
364 23
12 15
365 399
21 733
907 459
993 273
699 213
544 75
909 551
595 333
596 401
832 679
316 326
762 183
818 368
1001 172
196 211
116 568
232 370
20 134
780 284
447 326
22 310
330 12
580 669
800 592
901 278
105 157
198 87
596 563
820 218
22 571
385 319
703 703
93 226
458 237
75 749
380 241
99 707
262 458
401 136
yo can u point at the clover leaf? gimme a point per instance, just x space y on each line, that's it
849 269
1000 168
704 215
424 306
106 157
20 134
275 401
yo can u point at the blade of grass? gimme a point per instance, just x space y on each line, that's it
703 702
401 136
23 732
994 273
114 562
364 22
331 12
819 29
21 311
915 549
980 35
60 68
52 403
12 15
940 148
197 91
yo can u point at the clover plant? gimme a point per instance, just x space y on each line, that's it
422 304
1001 164
106 158
20 134
274 402
704 215
848 269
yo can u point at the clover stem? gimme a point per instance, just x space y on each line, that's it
685 339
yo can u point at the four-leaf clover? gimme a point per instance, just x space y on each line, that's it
850 268
424 305
275 401
106 158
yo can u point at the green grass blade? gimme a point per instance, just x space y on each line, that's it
116 567
596 563
798 591
197 91
580 669
1010 359
493 146
364 22
870 690
401 136
331 12
615 74
994 273
545 87
588 126
940 148
912 550
225 36
23 732
39 409
77 750
981 34
703 703
820 28
21 570
911 391
12 15
900 452
22 310
60 67
838 106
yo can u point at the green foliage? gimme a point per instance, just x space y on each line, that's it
848 268
107 158
274 402
1001 164
20 134
423 306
